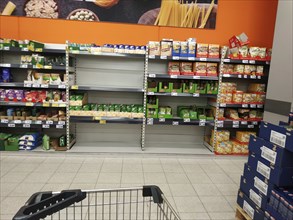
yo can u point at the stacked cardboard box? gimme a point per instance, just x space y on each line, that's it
268 172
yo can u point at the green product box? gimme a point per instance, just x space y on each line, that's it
152 113
3 140
209 114
165 86
212 88
201 88
201 113
12 143
189 87
184 113
176 87
10 43
165 112
152 86
36 46
152 102
192 114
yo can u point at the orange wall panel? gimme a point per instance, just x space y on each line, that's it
254 17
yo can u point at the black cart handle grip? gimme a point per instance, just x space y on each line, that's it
153 191
43 204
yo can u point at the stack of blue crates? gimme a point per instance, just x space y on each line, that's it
269 171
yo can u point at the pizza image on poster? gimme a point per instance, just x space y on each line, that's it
172 13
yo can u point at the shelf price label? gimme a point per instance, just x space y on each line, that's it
61 122
191 58
36 85
28 85
151 93
6 48
163 57
220 124
244 122
75 87
152 75
259 77
48 67
244 105
103 122
223 105
45 126
252 105
59 126
55 105
239 76
152 56
252 77
244 61
175 123
254 122
202 122
235 122
24 49
75 51
227 60
203 59
245 76
195 94
186 120
175 58
260 106
28 121
174 76
11 125
226 75
49 122
38 122
46 104
62 105
44 85
23 66
162 119
62 87
17 121
235 125
29 104
4 121
6 65
150 121
252 61
250 126
174 94
26 125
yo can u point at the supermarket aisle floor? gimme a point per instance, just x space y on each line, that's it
199 187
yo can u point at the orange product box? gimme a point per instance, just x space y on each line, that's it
212 69
214 51
186 68
174 68
200 68
202 50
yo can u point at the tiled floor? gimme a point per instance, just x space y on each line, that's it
199 187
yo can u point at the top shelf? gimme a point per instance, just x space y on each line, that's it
125 55
217 60
240 61
18 49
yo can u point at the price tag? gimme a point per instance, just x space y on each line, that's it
61 122
75 51
220 124
245 76
152 56
62 105
150 121
252 61
260 106
223 105
59 126
174 94
36 85
38 122
163 57
26 125
55 105
191 58
202 122
28 121
63 87
244 61
175 58
74 87
195 94
175 122
239 76
162 120
152 75
49 122
252 105
203 59
48 67
29 104
244 122
227 60
254 122
235 122
17 121
103 122
259 77
11 125
226 75
45 126
28 85
23 66
5 121
196 77
250 126
39 50
44 85
97 118
244 105
186 120
6 65
268 62
235 126
174 76
46 104
252 77
151 93
24 49
6 48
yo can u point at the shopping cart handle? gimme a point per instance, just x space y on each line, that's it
42 204
153 191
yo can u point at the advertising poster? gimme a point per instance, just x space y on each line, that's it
173 13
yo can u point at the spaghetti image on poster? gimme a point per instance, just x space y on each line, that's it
172 13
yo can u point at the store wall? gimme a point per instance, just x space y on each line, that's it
254 17
280 86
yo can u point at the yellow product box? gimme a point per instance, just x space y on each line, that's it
223 135
247 98
166 48
239 148
256 87
239 68
243 136
154 48
223 147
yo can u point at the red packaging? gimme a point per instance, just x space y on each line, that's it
200 68
202 50
238 41
174 68
214 51
212 69
186 68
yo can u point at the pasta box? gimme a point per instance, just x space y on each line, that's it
272 153
257 182
278 135
279 176
254 212
254 195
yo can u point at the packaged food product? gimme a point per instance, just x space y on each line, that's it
259 70
186 68
233 53
243 114
191 48
2 94
6 75
225 68
230 68
239 148
19 94
262 53
239 68
10 94
260 98
256 87
247 69
212 69
200 68
36 77
252 69
176 48
202 50
243 52
174 68
184 49
223 147
214 51
223 135
247 98
229 87
46 78
243 136
269 54
166 48
253 52
55 79
226 98
237 96
232 114
154 48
